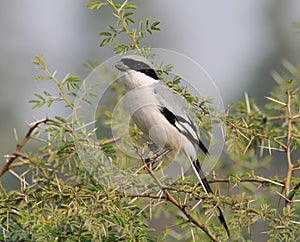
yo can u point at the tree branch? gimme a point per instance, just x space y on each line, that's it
288 151
182 207
17 153
257 179
262 136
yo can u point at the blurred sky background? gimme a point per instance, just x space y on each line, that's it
237 42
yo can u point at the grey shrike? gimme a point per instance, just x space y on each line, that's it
156 110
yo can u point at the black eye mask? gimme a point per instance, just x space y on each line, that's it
141 67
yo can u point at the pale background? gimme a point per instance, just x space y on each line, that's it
238 43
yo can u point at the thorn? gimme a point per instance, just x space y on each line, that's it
196 205
16 135
192 232
276 101
247 103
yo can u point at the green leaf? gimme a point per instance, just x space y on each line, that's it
95 5
72 94
149 31
39 78
87 101
105 42
141 25
47 94
147 21
34 101
113 29
38 59
40 97
49 102
176 80
72 82
121 48
61 119
129 20
154 26
38 105
105 34
128 14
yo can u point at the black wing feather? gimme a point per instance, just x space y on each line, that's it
209 190
173 119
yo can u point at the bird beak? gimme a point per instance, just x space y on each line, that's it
120 66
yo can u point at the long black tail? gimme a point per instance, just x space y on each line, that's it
209 190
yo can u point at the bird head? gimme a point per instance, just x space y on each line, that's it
137 71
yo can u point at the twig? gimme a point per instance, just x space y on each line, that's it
295 167
19 164
288 151
257 179
182 207
120 15
248 130
110 141
17 153
248 145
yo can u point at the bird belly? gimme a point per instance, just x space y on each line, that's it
150 120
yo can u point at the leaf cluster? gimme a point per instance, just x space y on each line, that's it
59 198
125 24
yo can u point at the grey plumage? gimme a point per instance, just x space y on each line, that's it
158 112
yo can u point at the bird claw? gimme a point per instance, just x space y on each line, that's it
155 162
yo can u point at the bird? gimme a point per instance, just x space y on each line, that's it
157 111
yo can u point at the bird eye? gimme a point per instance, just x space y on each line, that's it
138 65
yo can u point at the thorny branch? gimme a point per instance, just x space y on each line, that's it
17 153
288 151
285 146
182 207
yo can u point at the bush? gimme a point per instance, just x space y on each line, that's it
60 199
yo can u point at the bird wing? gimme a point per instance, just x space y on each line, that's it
171 106
172 110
